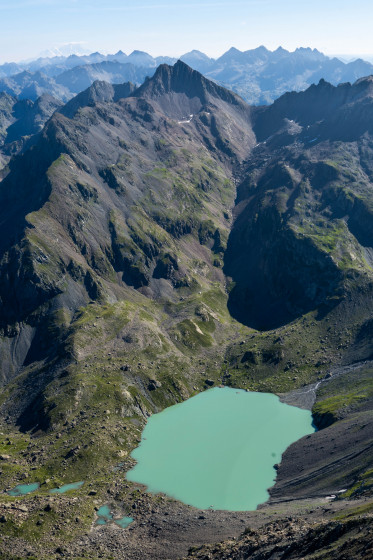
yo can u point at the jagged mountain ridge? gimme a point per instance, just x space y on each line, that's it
258 75
305 195
323 104
228 129
99 92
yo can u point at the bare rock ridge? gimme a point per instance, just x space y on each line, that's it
322 103
98 92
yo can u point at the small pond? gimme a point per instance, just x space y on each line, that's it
67 487
105 516
218 450
124 522
104 513
23 489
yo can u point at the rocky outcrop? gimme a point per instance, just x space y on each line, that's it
294 539
98 92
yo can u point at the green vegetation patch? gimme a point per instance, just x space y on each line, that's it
346 393
193 334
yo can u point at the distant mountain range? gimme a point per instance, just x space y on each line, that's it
258 75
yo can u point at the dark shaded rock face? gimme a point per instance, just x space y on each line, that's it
166 267
277 276
303 229
21 120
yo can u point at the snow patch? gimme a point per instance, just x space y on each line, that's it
186 120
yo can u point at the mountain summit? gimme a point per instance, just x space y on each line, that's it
182 79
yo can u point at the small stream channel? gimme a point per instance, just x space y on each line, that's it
305 397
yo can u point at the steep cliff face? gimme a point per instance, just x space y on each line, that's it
302 237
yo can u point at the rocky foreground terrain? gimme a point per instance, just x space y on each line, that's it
155 242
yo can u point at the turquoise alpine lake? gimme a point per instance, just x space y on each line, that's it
217 450
67 487
23 489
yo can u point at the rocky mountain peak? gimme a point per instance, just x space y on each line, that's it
198 60
195 53
232 51
99 92
141 58
182 79
260 50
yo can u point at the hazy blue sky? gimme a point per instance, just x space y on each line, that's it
28 27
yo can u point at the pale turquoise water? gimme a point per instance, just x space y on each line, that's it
218 449
67 487
104 512
22 489
124 522
104 517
